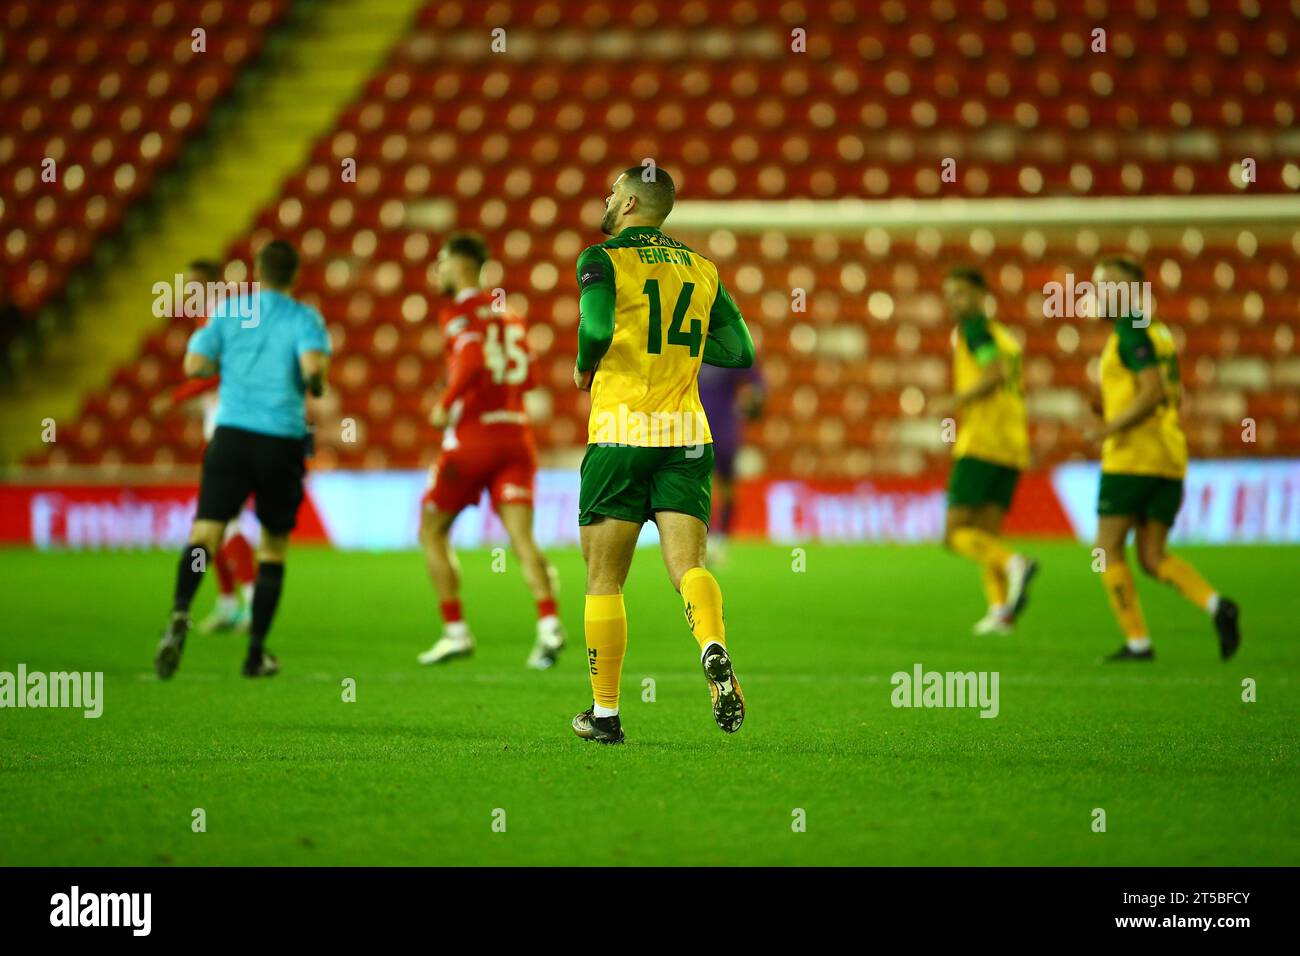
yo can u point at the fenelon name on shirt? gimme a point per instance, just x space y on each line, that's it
653 255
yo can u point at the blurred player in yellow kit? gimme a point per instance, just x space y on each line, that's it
652 310
991 448
1143 462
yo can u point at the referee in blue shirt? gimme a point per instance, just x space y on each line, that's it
270 351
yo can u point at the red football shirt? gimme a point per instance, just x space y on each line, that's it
488 372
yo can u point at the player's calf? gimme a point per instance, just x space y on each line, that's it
266 598
702 603
605 626
189 575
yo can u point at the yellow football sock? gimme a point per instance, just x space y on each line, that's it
979 546
995 585
605 622
1186 580
1122 592
703 600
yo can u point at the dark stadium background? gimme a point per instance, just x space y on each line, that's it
511 118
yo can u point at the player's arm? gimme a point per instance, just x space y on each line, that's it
752 394
203 352
313 352
192 389
186 391
596 313
465 367
728 344
985 352
1150 393
198 365
991 376
315 367
980 344
1138 353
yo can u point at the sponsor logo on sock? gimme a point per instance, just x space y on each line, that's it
591 659
922 688
78 690
74 908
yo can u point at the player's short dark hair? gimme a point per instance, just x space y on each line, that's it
208 269
470 245
969 274
654 187
278 263
1125 264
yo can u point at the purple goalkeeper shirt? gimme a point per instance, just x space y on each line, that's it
718 390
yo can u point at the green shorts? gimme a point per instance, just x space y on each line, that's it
622 481
976 482
1140 496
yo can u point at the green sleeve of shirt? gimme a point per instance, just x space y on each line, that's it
1136 350
595 306
729 344
979 340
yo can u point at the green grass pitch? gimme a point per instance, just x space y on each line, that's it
415 770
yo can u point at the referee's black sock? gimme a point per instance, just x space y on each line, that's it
266 597
189 574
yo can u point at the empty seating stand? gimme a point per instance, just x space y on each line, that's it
96 99
522 145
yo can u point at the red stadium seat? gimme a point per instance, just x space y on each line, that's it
522 148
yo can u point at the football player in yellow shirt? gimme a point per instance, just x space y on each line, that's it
991 447
652 310
1143 461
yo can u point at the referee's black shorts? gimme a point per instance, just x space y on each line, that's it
239 463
